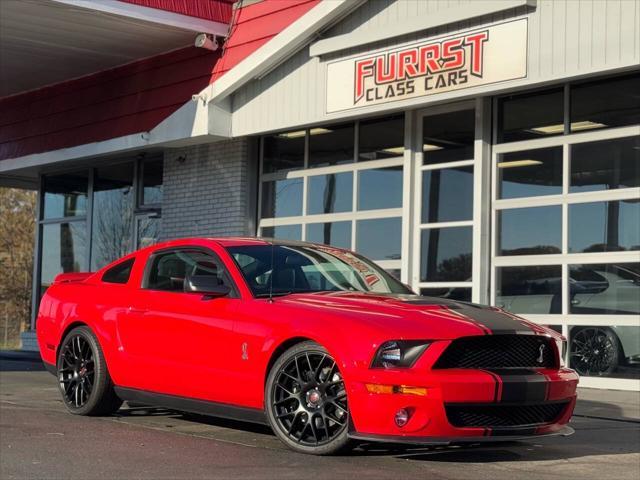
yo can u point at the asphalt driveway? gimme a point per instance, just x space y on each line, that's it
39 440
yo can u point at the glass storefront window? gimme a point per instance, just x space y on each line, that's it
604 226
535 290
454 293
612 102
63 250
530 173
446 254
531 115
604 289
605 165
282 198
380 238
380 188
337 234
605 350
283 232
332 145
530 231
330 193
151 179
448 137
284 151
148 231
65 195
381 138
447 195
112 224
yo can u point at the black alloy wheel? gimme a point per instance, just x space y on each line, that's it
83 377
594 351
306 400
77 371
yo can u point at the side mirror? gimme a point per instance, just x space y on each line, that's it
208 285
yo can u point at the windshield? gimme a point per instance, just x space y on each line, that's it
307 268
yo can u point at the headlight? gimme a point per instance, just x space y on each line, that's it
561 345
399 353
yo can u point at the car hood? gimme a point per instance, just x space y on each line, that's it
415 316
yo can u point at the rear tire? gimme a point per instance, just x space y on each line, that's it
306 401
594 351
83 377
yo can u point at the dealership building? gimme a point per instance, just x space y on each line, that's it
480 150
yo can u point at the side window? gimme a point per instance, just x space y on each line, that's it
168 270
119 273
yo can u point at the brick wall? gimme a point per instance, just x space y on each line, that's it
210 190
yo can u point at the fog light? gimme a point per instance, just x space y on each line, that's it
402 417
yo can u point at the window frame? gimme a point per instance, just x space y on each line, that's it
356 166
144 282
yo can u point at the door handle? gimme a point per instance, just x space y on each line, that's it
137 310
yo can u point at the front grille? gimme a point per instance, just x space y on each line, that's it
498 351
497 416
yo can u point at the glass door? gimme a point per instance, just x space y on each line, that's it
443 238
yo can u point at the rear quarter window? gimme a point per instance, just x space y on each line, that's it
119 273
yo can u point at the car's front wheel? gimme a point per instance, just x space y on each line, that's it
83 377
594 351
306 400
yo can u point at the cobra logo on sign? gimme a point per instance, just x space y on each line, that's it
479 57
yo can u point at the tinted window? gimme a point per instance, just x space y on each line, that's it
532 115
151 173
380 188
605 289
120 273
168 270
457 293
331 145
381 138
446 254
447 195
607 103
337 234
530 231
604 226
283 232
284 151
529 289
530 173
605 165
113 204
63 250
65 195
448 137
379 239
330 193
282 198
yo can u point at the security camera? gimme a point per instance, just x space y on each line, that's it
206 41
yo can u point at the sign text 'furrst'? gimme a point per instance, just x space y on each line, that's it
492 54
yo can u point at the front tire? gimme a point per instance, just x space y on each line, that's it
306 401
83 378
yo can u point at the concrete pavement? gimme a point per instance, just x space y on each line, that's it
39 439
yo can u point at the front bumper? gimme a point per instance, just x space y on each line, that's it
373 414
443 441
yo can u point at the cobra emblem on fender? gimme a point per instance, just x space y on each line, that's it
540 358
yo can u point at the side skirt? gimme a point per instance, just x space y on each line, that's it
192 405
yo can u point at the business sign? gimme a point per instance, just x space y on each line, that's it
468 59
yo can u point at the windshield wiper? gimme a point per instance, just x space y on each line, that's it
274 294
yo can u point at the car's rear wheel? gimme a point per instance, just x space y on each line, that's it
306 400
83 377
594 351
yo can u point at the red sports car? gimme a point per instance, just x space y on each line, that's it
315 341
